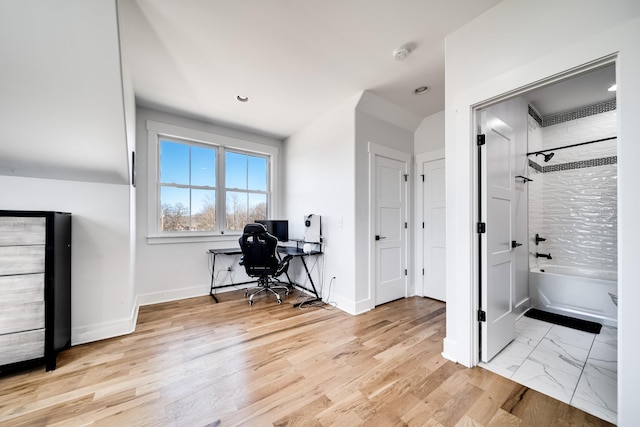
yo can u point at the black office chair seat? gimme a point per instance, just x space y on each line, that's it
261 260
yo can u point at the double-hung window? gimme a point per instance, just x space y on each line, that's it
246 178
187 186
203 185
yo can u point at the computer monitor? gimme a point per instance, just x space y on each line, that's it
276 227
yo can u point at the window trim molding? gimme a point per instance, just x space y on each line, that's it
155 130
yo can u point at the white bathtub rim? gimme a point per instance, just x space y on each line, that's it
582 272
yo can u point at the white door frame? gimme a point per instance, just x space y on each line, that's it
382 150
419 213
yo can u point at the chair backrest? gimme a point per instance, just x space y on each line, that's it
259 251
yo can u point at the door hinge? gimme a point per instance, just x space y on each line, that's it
406 177
480 140
422 224
423 271
405 225
422 177
405 272
481 228
482 316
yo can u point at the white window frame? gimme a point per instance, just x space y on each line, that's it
157 130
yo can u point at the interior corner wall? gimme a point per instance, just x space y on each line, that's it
372 129
320 179
129 104
430 134
170 271
499 46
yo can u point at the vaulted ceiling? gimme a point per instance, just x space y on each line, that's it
293 59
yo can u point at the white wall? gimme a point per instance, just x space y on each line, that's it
101 305
169 271
509 47
430 134
61 91
320 179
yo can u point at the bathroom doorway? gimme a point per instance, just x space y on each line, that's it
553 222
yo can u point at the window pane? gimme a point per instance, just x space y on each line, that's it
236 170
257 173
175 208
257 207
203 207
174 163
236 210
203 166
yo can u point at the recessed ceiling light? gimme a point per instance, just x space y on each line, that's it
242 98
613 88
421 90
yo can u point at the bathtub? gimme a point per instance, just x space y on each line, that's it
576 292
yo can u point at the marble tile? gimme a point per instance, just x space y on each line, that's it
571 337
596 392
509 359
531 331
554 366
604 352
604 356
578 368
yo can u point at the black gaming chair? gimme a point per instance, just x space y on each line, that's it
261 260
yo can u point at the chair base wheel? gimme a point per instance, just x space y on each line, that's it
279 301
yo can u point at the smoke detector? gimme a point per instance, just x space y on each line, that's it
401 53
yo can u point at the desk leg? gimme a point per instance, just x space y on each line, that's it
213 272
315 292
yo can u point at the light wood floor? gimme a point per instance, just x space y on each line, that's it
197 363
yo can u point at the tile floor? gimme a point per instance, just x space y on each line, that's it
578 368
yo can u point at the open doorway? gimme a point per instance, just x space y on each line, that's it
543 224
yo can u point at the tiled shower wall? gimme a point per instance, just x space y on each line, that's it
573 197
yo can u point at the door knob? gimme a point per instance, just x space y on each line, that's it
515 244
380 237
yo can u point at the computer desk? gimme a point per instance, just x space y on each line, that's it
294 251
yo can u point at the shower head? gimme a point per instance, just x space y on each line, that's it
547 157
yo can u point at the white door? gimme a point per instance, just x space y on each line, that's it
390 233
433 232
498 212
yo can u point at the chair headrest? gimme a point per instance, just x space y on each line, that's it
254 228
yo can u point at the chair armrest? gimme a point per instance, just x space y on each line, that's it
283 266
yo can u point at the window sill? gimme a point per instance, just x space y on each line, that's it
196 238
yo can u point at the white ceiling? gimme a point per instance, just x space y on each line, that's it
294 59
585 89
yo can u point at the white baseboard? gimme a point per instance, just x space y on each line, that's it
101 331
449 349
521 307
175 294
363 306
351 307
